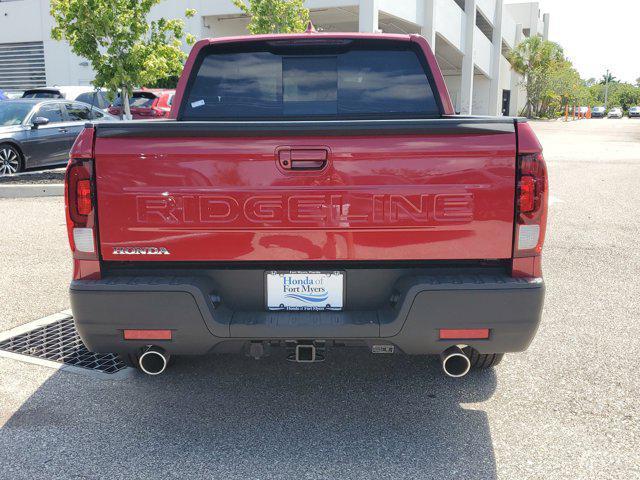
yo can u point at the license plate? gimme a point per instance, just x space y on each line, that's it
305 290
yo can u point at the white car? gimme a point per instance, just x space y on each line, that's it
634 112
615 112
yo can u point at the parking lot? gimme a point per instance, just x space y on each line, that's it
566 408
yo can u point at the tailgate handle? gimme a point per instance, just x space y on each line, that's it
301 159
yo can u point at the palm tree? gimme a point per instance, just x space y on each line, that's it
534 58
608 78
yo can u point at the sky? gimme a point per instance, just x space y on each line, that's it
597 34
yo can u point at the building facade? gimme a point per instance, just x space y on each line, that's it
470 39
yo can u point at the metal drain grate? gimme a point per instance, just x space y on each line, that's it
59 341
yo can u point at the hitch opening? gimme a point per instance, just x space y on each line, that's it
305 353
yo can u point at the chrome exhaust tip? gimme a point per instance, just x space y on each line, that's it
454 362
153 361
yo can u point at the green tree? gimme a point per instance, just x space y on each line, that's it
536 59
608 78
564 87
275 16
596 92
124 48
624 95
590 82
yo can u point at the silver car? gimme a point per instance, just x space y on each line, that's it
615 112
38 133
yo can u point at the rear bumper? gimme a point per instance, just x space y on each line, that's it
201 322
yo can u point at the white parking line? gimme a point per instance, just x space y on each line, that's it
553 200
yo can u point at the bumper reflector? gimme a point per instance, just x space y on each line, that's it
147 334
453 334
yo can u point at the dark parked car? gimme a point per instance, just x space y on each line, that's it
86 94
38 133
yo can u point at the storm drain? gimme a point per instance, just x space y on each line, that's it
59 341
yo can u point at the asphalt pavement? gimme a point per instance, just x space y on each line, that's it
566 408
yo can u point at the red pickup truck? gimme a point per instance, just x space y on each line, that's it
308 191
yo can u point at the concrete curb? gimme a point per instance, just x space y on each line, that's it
29 190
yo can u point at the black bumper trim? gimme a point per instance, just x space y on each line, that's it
418 308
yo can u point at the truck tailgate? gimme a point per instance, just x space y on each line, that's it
197 191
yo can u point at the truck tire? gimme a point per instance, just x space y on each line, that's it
482 361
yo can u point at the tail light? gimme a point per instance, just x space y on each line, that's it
80 206
531 204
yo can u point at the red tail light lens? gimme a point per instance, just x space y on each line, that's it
526 200
84 203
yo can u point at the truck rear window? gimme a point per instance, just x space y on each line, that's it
352 81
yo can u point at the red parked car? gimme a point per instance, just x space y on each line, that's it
309 191
146 104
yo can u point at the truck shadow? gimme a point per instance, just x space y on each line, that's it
353 416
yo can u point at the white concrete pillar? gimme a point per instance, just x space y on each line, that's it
466 88
545 19
495 93
428 20
534 18
514 105
368 16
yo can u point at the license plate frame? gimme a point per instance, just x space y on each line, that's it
304 294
